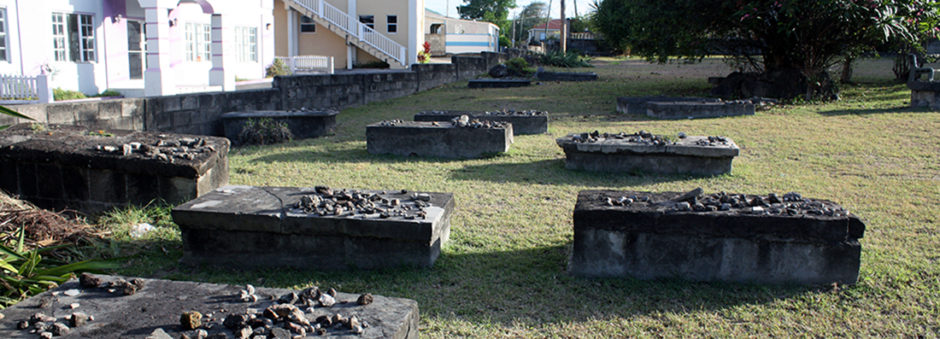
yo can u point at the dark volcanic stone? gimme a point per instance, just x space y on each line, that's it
191 320
88 280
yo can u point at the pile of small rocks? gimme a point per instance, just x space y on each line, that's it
326 202
641 137
47 326
712 141
790 204
289 317
464 121
391 123
163 149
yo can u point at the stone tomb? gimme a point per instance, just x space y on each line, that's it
89 170
317 228
715 237
302 124
523 122
566 76
647 153
925 94
684 108
498 83
459 139
154 310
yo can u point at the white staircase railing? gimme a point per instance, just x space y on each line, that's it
351 25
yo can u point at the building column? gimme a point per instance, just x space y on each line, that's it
292 26
158 78
221 73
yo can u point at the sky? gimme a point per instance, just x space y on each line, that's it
441 6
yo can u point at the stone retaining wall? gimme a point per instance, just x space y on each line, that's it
199 113
925 94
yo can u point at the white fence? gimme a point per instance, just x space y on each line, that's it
351 25
23 89
309 64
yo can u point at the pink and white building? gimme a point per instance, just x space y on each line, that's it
137 47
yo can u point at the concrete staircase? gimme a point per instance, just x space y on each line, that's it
355 32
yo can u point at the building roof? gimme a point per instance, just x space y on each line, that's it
552 24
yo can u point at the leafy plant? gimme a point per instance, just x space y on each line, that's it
277 68
63 94
27 272
108 93
264 131
559 59
6 111
100 133
519 67
425 55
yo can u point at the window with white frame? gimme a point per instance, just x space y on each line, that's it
392 23
73 37
3 34
369 20
246 39
198 42
307 25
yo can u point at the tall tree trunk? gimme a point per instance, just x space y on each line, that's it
847 70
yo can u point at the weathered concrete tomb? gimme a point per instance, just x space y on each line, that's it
302 124
462 138
498 83
648 153
715 237
100 306
316 227
566 76
523 122
639 105
925 94
684 108
65 166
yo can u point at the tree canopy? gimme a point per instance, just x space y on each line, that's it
764 34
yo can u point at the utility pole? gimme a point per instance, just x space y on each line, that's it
564 29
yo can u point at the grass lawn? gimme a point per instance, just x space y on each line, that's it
503 272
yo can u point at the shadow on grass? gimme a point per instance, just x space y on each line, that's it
506 287
553 172
351 155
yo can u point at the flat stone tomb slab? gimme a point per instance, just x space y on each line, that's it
302 124
156 308
91 170
566 76
498 83
523 122
647 153
268 226
438 139
639 105
698 109
664 235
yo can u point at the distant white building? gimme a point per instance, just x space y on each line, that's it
453 36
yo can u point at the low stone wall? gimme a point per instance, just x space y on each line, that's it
925 94
155 308
66 166
200 113
715 237
694 109
566 76
314 227
498 83
433 139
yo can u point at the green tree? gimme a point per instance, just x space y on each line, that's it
532 14
764 35
494 11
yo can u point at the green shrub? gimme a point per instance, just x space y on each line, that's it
559 59
519 67
108 93
264 132
63 94
277 68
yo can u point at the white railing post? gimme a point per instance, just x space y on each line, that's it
402 57
320 7
331 65
360 26
43 90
